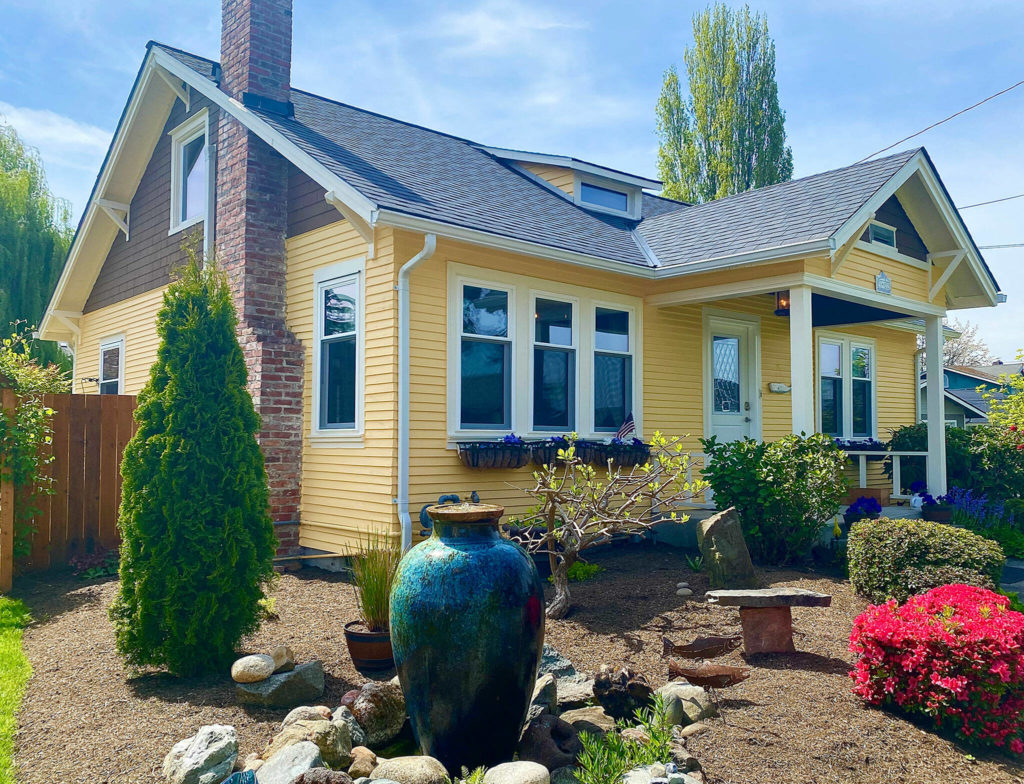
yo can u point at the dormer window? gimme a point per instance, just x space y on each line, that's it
190 180
882 234
604 197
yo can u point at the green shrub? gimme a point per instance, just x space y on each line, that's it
898 558
1009 537
960 463
580 572
998 454
784 491
197 539
605 758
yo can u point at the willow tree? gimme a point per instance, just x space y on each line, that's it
34 238
727 135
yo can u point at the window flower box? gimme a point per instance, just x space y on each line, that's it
546 452
626 454
510 452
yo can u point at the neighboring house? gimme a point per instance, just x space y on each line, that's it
400 290
967 391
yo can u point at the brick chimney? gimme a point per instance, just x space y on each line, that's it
252 198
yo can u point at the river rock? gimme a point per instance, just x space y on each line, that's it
726 558
565 775
545 697
574 691
284 658
322 776
549 741
685 703
592 719
693 729
289 763
684 592
344 715
517 773
363 762
207 757
380 711
252 669
307 713
286 689
555 663
332 740
411 770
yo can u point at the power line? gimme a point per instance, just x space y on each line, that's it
947 119
993 247
994 201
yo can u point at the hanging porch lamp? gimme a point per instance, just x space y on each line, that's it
782 303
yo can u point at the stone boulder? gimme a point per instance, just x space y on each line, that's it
332 740
284 658
322 776
344 715
380 711
517 773
289 763
208 757
726 558
545 697
411 770
555 663
286 689
252 669
621 692
363 762
593 719
307 713
550 741
574 691
685 703
563 775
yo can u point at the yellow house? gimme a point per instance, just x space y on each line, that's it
403 291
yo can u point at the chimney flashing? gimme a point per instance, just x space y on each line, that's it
268 105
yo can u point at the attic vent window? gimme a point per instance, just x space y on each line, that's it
604 197
882 234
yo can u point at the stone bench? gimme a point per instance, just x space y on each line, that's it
766 615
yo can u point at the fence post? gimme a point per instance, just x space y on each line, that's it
7 405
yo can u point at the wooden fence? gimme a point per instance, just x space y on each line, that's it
89 436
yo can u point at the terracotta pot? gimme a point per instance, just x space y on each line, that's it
369 650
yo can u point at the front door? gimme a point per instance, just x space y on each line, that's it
731 389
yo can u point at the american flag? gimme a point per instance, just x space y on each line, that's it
627 429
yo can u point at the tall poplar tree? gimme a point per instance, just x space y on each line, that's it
34 238
728 134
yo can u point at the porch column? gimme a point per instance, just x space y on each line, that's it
801 359
933 340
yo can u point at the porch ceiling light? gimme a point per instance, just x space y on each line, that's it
782 303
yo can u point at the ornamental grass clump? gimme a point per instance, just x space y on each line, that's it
197 540
954 654
373 572
894 559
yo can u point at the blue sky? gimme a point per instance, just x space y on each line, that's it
576 78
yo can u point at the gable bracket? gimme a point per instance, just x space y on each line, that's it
69 319
117 212
839 254
958 256
179 87
365 229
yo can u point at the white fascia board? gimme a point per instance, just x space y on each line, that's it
575 165
881 196
356 201
917 327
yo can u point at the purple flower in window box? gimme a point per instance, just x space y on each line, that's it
546 452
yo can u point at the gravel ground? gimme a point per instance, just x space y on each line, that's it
85 720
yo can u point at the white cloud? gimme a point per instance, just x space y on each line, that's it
59 139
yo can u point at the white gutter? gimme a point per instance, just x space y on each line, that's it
429 246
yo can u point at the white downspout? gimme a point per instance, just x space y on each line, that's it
429 246
917 385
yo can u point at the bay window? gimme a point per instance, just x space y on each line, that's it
846 393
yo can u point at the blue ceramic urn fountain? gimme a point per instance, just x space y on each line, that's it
467 628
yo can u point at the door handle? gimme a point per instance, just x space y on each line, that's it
746 419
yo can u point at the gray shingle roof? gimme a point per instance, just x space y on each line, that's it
419 172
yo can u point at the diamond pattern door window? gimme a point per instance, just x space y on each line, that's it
726 364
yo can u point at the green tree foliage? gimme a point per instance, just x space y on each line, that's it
728 135
34 239
1008 412
197 539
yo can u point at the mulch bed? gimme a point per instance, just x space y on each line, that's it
84 719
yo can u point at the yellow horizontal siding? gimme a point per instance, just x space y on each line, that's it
347 491
135 319
559 176
861 267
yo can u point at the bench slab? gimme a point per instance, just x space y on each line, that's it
769 597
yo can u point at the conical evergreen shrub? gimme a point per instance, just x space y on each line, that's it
197 539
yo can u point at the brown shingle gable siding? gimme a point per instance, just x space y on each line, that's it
307 209
144 262
908 241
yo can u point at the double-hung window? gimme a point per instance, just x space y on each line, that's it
190 172
485 347
111 366
846 394
338 317
613 368
554 365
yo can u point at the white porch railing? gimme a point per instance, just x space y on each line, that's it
860 456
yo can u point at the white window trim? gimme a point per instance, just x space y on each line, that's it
521 318
889 251
848 343
336 436
574 302
114 341
633 353
634 195
884 226
510 338
194 127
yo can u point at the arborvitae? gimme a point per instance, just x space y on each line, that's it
197 539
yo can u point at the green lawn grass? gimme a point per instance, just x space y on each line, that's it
14 672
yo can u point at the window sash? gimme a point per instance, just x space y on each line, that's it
549 398
473 387
111 385
846 401
338 355
609 417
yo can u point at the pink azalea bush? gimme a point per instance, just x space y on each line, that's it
955 653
